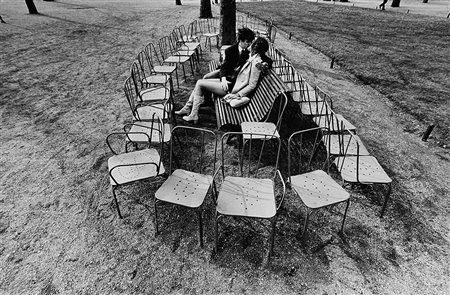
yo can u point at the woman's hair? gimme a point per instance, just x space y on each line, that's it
260 46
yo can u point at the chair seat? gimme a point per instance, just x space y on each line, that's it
127 174
342 144
185 52
210 35
156 79
314 108
258 128
370 171
145 127
317 189
250 197
303 95
146 113
185 188
324 121
176 59
192 45
164 69
154 94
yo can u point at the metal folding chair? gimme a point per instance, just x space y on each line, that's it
313 185
189 184
128 167
356 168
148 94
141 111
257 192
157 63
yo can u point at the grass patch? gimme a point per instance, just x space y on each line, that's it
403 56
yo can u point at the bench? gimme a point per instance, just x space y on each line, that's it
213 65
267 91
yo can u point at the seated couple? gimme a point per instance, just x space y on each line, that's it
237 77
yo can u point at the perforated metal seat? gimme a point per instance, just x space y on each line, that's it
129 167
248 197
257 129
317 189
344 144
142 130
362 169
185 188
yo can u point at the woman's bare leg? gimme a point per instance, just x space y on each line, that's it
202 85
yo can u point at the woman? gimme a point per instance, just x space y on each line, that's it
246 81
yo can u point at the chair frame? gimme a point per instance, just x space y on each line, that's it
110 170
320 132
277 174
199 209
339 162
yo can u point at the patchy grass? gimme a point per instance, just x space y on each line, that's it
404 56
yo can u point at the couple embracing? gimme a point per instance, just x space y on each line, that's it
237 77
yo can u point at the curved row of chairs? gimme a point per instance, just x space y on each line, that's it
350 156
242 183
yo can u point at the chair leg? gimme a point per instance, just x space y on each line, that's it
386 199
305 224
200 225
156 218
115 201
216 233
345 215
184 71
272 236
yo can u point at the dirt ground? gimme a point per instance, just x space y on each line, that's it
61 77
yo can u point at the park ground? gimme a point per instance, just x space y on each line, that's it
61 77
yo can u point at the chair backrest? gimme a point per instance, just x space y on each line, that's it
306 151
279 105
138 76
351 152
130 93
195 149
145 62
259 160
153 54
166 48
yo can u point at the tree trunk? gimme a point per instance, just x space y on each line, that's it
228 21
31 7
395 3
205 9
177 2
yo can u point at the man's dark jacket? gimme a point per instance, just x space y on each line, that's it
232 62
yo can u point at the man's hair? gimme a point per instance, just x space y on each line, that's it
245 34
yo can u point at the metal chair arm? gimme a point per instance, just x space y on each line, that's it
123 133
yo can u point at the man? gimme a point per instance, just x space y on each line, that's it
235 57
